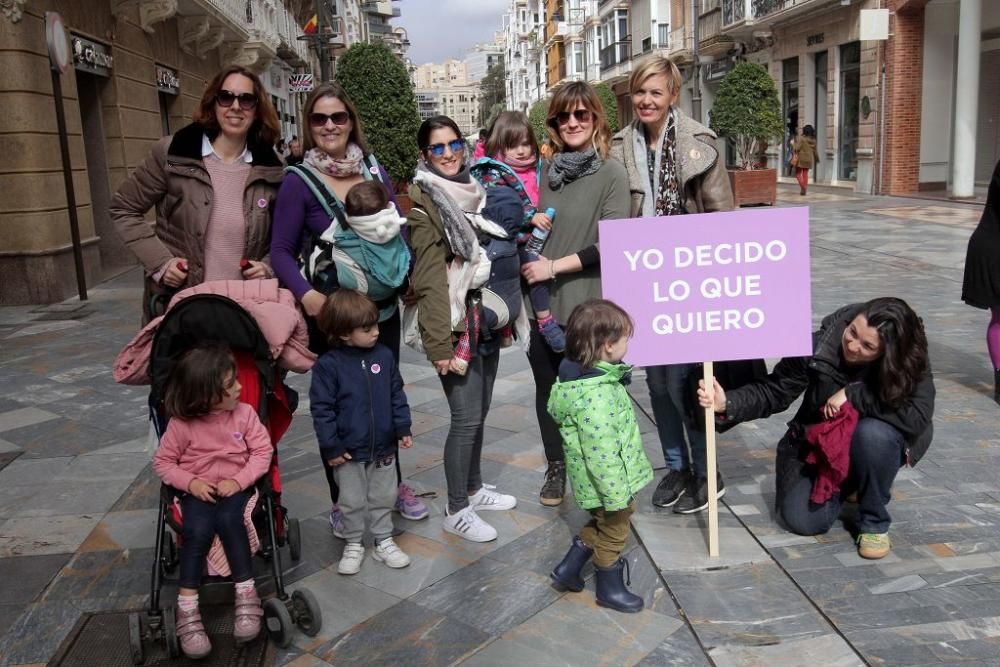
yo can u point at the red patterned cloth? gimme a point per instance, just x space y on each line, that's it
830 452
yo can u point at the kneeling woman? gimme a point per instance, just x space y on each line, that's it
872 356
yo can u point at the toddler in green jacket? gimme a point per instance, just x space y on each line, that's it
606 463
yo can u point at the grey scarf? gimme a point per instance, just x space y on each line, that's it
569 167
458 230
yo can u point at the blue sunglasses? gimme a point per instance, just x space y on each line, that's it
456 146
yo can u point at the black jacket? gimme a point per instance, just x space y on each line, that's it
357 403
819 377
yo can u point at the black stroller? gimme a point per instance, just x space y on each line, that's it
211 318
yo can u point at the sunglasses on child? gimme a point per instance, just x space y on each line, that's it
317 119
456 146
225 99
581 115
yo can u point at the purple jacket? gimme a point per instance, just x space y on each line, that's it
296 210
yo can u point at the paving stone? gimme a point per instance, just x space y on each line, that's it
25 577
15 419
678 542
828 650
54 535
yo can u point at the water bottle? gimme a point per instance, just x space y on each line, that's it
538 235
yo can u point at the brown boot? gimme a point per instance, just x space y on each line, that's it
246 624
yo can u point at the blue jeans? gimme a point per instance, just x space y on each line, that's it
203 521
878 451
667 385
469 399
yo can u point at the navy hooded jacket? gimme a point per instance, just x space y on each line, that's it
357 403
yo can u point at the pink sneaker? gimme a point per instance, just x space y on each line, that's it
409 506
246 622
191 634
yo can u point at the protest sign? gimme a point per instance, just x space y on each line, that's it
732 285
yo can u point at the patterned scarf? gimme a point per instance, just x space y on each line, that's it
668 186
349 166
568 167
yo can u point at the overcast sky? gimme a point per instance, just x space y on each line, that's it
442 29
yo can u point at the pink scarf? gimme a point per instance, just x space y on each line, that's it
348 166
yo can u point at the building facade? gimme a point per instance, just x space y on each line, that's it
138 72
524 53
444 89
482 58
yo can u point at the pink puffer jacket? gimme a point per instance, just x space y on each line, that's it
273 308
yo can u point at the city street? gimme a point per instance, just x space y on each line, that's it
77 503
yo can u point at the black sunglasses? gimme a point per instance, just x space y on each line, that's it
317 119
456 146
581 115
225 98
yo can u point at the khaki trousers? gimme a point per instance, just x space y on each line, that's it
606 534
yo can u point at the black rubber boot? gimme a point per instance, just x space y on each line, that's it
567 573
611 590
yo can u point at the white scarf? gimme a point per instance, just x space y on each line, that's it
379 227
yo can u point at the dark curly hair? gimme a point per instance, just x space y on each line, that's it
904 348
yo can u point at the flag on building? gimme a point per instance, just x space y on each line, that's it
310 27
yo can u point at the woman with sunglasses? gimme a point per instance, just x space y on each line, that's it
673 168
444 232
310 203
213 184
584 187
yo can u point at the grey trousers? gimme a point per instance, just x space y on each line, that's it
469 399
367 491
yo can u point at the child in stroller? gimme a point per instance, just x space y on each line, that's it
213 451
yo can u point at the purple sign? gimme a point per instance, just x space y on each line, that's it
713 286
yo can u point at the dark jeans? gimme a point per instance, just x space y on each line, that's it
388 334
203 521
545 369
540 293
667 385
469 399
877 453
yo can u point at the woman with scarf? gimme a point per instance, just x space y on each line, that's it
449 268
584 187
673 169
310 206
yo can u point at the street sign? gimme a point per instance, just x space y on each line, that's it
55 40
300 83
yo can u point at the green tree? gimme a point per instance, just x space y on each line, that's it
747 111
536 116
610 104
380 87
492 91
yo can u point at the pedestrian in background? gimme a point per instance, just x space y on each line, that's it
584 187
294 155
213 184
604 455
805 156
673 169
981 284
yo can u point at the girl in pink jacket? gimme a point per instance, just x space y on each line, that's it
213 451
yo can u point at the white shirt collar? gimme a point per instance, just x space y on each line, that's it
207 149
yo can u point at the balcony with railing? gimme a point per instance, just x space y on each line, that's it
711 41
555 31
738 15
616 60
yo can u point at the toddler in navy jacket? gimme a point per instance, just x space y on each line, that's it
361 418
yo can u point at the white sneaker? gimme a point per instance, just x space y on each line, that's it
388 552
467 524
488 499
350 562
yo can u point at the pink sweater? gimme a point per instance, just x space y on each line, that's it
225 238
221 445
529 177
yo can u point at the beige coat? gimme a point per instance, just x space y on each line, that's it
805 147
702 173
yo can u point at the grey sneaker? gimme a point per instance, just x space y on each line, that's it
554 487
671 488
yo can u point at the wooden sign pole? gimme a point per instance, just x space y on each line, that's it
713 501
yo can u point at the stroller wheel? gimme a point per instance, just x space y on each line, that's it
170 633
135 638
294 539
308 615
170 556
278 621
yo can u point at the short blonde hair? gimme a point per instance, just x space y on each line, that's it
566 98
652 65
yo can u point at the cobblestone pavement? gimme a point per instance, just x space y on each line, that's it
77 504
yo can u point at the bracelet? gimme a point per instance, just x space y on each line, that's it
552 269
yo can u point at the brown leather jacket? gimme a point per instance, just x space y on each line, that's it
174 180
704 182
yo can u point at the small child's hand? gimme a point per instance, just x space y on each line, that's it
340 460
202 490
541 221
406 441
227 487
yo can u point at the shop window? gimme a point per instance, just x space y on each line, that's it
850 103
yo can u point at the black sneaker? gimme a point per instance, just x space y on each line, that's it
671 488
554 487
695 498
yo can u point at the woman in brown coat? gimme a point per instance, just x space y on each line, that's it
213 184
806 156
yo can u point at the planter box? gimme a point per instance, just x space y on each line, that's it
754 187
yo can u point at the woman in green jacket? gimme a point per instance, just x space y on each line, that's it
605 460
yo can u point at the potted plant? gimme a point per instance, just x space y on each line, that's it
747 112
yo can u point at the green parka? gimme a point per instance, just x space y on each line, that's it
604 456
